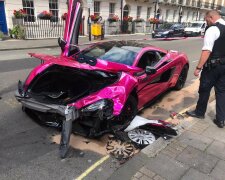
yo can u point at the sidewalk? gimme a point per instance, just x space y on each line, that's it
197 153
14 44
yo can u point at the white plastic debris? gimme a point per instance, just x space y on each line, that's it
140 121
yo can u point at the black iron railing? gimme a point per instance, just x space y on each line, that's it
42 28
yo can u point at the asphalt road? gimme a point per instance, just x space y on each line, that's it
27 150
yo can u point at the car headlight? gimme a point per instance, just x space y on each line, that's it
166 32
99 105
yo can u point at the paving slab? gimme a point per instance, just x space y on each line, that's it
130 168
196 140
215 133
199 127
166 167
174 149
217 149
193 174
198 159
219 171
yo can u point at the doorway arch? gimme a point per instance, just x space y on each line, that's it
126 11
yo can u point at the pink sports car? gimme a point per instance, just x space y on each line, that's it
100 87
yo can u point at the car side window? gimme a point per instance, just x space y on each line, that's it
150 58
203 26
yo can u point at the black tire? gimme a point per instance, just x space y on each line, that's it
182 78
129 110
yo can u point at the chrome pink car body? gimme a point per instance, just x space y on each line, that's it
119 91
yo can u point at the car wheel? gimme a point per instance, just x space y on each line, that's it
129 110
182 78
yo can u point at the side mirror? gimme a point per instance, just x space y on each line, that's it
62 43
150 70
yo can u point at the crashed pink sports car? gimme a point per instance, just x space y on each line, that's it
100 87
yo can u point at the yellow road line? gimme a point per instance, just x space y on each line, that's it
91 168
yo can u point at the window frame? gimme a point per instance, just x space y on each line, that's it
139 11
31 16
51 10
149 10
112 8
97 7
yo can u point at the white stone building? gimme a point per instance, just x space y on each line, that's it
170 10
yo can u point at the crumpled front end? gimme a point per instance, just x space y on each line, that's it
97 96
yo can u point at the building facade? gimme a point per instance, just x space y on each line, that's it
165 10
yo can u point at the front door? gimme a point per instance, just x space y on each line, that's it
3 25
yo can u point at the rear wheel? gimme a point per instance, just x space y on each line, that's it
182 78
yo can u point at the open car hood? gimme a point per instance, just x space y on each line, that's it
71 62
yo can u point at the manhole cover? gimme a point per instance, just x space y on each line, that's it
141 136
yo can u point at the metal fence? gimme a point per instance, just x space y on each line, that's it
127 27
41 28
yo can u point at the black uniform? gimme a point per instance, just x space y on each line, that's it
213 75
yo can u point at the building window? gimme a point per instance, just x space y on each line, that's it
112 9
54 8
193 16
138 11
167 14
28 6
149 9
97 7
174 15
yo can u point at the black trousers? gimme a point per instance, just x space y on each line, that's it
214 77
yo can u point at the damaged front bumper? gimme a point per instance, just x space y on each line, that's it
69 112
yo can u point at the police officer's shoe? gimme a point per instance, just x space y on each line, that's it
193 114
219 124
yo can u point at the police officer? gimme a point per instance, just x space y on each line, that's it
212 68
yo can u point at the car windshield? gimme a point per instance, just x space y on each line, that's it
196 25
165 26
123 54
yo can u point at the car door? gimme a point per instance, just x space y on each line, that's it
71 30
175 30
150 86
179 29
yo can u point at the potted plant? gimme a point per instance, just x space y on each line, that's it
153 20
113 18
17 32
95 18
1 35
45 15
64 16
19 14
128 18
139 20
